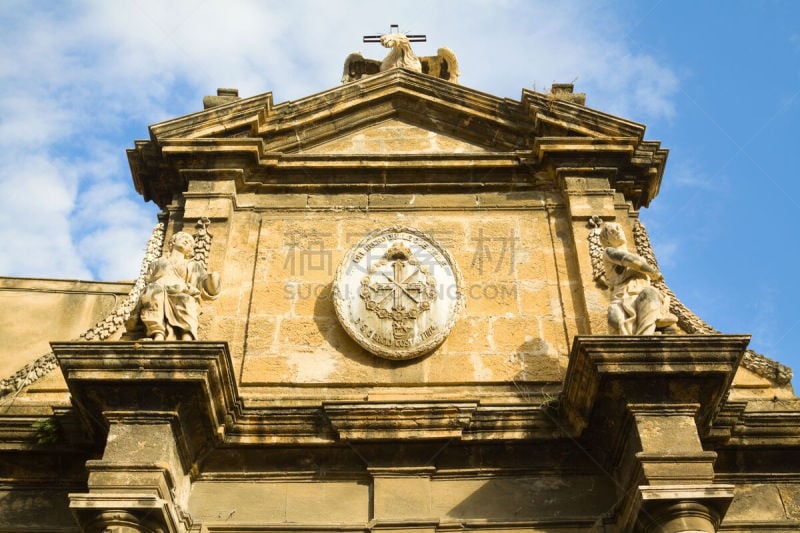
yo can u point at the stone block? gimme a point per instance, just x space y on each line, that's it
552 330
790 496
443 367
303 333
261 333
311 366
337 201
213 208
517 334
280 201
219 186
354 228
527 199
449 231
264 367
329 502
398 498
272 236
246 502
538 298
584 184
272 298
491 298
761 502
311 299
584 207
469 335
393 201
35 510
667 433
307 265
522 497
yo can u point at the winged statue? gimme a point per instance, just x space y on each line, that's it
443 65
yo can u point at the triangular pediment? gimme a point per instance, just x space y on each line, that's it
396 136
464 118
397 121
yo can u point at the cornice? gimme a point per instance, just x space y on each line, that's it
522 139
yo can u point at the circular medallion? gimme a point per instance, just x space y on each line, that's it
397 293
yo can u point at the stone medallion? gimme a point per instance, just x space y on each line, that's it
397 293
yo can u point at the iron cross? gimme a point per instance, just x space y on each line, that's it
394 28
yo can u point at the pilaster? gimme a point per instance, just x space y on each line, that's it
646 403
158 407
588 193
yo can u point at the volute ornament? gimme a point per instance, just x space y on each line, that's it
398 292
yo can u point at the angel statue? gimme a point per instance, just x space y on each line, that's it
169 306
636 308
444 65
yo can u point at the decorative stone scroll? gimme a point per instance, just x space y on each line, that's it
104 329
398 292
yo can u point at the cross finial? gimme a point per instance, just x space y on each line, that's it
394 28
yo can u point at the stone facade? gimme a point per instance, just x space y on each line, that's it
524 415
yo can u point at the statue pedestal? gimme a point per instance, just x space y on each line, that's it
157 406
645 403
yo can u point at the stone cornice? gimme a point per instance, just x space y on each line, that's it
664 369
267 142
192 380
399 420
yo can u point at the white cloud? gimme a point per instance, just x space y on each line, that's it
80 81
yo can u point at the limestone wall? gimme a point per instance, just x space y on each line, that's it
34 312
277 265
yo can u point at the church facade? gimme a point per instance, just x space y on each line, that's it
398 304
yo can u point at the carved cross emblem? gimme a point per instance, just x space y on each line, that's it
399 288
397 293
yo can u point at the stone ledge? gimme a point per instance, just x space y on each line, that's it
403 421
193 380
657 369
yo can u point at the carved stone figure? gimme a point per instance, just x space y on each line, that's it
636 308
401 54
444 65
169 306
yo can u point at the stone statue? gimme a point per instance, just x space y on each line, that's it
636 308
444 65
169 305
401 54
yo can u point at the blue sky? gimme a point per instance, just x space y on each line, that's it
717 82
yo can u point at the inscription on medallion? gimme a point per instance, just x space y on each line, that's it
397 293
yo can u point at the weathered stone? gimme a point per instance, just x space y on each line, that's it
284 422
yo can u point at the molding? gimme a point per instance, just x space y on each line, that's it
368 421
268 142
106 378
666 369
